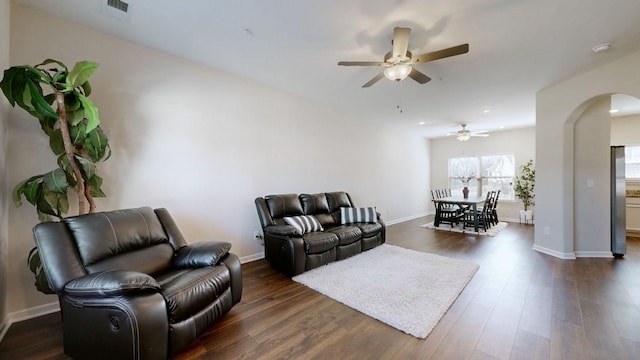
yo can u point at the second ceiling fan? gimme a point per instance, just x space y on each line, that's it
398 61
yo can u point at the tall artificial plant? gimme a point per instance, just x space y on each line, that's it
525 185
58 98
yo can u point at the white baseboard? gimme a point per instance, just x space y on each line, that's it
33 312
633 231
4 327
594 254
554 253
401 220
250 258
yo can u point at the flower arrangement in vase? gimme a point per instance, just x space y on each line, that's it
465 183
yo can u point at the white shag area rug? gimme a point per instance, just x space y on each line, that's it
407 289
492 231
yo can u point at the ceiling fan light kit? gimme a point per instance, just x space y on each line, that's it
464 134
398 62
397 72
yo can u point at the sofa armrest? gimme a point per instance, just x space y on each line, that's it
111 283
282 230
207 253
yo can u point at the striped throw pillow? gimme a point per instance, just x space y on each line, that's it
304 223
350 215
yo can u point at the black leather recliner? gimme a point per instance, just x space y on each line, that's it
129 285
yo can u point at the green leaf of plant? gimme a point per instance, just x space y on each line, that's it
50 98
56 181
75 117
25 101
56 143
35 265
71 102
51 61
38 101
63 163
7 84
78 134
16 195
90 112
81 73
96 144
86 87
36 75
30 191
43 205
58 202
88 167
95 185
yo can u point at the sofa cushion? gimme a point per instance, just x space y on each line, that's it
347 234
350 215
106 234
320 241
187 292
369 230
313 204
283 205
337 200
304 224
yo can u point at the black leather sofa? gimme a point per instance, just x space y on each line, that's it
294 252
129 285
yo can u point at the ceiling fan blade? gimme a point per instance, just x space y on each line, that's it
418 76
479 135
362 63
374 80
400 42
435 55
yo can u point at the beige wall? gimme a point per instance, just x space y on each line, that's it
204 144
592 180
4 198
558 108
519 142
625 130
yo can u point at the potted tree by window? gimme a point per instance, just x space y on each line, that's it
524 189
58 98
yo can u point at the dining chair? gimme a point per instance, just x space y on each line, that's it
494 205
450 214
482 213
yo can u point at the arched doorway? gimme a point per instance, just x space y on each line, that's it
592 138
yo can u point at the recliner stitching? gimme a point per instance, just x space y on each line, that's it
113 229
147 225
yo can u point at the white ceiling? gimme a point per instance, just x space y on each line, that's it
517 47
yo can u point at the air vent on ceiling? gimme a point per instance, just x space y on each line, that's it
118 9
117 4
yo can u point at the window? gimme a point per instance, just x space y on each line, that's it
632 162
491 172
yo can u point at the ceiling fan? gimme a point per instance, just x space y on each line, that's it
464 134
398 62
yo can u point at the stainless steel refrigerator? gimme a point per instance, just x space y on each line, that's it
618 203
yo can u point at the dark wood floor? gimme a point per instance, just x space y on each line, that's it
520 305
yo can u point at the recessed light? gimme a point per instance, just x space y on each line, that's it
486 111
613 111
421 123
601 48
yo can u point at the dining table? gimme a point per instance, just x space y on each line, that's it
462 202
